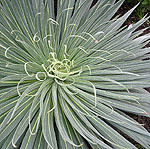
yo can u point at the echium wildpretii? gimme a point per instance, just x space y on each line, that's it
69 77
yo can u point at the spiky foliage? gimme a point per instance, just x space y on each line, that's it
69 79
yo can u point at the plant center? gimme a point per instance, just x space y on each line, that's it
60 70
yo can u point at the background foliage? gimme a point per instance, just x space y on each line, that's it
142 9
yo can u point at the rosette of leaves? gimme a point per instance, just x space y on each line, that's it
69 77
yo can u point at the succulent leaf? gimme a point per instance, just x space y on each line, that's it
68 77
